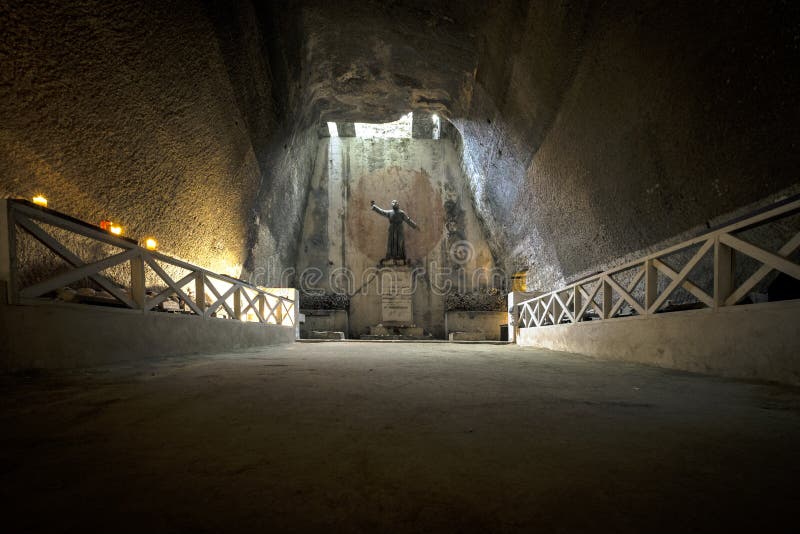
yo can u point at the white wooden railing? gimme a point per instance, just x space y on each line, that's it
603 296
202 293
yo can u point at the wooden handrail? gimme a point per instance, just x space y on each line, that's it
16 213
554 307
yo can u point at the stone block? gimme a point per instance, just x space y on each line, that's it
412 331
379 330
467 336
317 334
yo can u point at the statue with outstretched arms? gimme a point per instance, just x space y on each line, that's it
396 244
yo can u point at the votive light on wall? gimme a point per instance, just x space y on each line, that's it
111 227
519 282
40 200
150 243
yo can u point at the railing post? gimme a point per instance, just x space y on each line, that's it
576 303
723 272
650 285
294 296
138 283
512 315
606 298
200 291
7 251
262 308
237 302
279 312
555 307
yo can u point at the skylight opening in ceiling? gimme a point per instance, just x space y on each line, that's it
399 129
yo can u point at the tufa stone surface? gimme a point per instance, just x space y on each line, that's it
589 130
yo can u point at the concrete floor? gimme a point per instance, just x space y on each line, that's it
395 437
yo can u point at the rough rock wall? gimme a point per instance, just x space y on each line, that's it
591 130
344 240
598 129
372 60
288 158
157 114
280 207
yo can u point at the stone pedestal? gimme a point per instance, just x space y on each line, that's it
396 289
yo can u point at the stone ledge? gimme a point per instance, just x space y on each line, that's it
317 334
753 341
467 336
67 336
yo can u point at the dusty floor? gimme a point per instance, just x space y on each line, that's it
395 437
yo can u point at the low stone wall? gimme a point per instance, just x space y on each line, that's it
324 321
75 336
757 341
486 322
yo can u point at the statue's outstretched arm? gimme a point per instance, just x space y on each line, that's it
375 208
411 223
